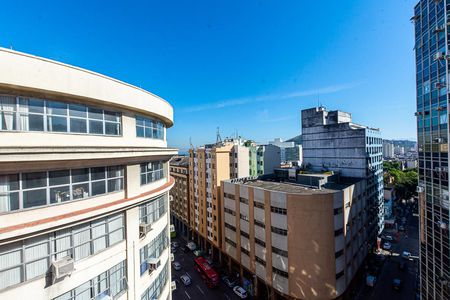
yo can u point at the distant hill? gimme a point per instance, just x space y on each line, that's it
402 143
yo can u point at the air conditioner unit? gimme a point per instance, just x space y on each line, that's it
172 257
170 198
419 189
144 228
62 268
439 140
442 225
153 264
173 285
438 55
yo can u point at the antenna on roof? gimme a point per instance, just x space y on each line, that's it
190 143
218 137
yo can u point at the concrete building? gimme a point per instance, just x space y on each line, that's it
301 236
431 52
83 179
331 142
289 151
399 150
388 150
179 204
267 159
389 198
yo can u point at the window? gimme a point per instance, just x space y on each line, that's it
227 240
243 200
259 223
339 232
258 204
229 211
30 258
154 249
32 114
231 227
245 251
279 230
280 272
339 253
152 171
278 210
279 251
244 217
157 286
245 234
340 274
149 128
259 242
153 210
337 211
260 260
26 190
112 282
229 196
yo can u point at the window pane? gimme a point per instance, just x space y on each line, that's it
36 122
139 131
115 185
80 191
60 194
10 277
59 177
80 175
34 198
148 132
112 128
8 201
56 108
36 106
9 182
76 110
78 125
95 113
114 171
57 124
98 188
34 180
111 116
98 173
95 127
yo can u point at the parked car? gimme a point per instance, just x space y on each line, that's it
240 292
229 282
176 265
175 244
185 279
396 284
388 238
387 246
406 255
198 252
191 245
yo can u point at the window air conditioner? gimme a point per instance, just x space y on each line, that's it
173 285
438 55
153 264
62 268
144 228
172 257
419 189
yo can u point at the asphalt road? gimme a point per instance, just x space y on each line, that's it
390 270
197 289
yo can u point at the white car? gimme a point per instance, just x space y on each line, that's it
176 265
192 246
240 292
387 246
406 254
185 279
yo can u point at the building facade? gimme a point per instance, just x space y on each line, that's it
83 184
431 52
179 202
289 151
331 142
301 236
388 150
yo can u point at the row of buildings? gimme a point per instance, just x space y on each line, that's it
298 232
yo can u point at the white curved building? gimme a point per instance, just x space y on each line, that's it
83 184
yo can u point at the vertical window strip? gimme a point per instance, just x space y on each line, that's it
157 286
153 249
153 210
152 171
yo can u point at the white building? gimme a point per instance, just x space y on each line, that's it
289 151
83 184
388 150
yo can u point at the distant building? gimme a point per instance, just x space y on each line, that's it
331 142
389 198
399 150
289 151
279 229
179 204
388 150
411 164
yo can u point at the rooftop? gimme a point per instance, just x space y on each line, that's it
180 161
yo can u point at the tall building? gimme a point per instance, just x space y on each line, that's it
331 142
179 202
298 235
83 184
388 150
431 50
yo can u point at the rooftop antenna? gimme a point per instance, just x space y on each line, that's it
218 137
190 143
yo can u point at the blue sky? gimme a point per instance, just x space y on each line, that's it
246 66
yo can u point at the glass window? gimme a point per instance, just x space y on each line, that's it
59 177
80 175
78 125
146 127
76 110
34 180
96 127
34 198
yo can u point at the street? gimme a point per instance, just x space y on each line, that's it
197 289
390 269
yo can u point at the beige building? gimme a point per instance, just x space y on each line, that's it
83 184
179 202
302 235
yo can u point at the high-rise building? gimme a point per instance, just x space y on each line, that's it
332 142
431 51
83 184
294 234
388 150
179 202
289 151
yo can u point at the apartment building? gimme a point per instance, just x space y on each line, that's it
83 184
431 52
332 142
289 151
179 202
293 234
